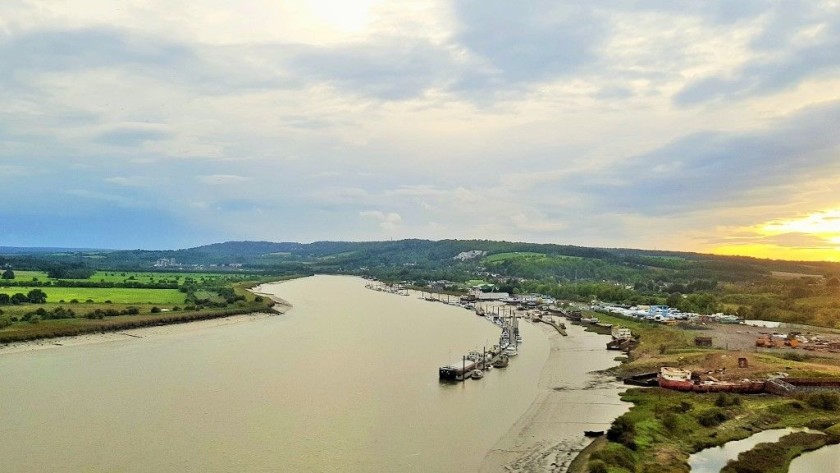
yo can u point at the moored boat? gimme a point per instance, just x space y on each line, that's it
501 362
682 380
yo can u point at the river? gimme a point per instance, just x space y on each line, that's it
345 381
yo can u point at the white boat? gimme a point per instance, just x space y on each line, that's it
477 374
511 350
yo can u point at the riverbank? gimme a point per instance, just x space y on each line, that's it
280 307
572 397
664 426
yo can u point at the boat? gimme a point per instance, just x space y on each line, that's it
501 362
518 339
511 350
457 371
477 374
642 379
682 380
593 433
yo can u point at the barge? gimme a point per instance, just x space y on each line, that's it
682 380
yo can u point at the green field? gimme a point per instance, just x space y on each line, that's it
134 276
516 255
525 255
100 295
29 275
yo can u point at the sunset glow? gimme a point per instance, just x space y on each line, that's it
812 237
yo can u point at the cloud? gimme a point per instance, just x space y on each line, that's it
133 181
716 169
517 42
221 179
133 135
795 45
387 221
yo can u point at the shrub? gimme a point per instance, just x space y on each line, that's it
615 456
825 401
623 431
725 400
597 466
670 421
712 417
155 310
34 319
132 310
5 321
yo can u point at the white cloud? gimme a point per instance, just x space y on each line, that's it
221 179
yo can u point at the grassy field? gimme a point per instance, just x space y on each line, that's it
142 277
101 295
29 276
149 306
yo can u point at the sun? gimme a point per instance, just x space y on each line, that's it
343 16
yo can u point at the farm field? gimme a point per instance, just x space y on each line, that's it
100 295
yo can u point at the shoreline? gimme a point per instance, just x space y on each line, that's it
571 399
280 307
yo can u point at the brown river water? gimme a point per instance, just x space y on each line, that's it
345 381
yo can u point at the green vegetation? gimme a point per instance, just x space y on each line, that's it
101 295
71 307
776 457
664 427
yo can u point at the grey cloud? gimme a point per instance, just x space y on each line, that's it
714 169
218 69
85 48
784 63
527 41
132 135
387 68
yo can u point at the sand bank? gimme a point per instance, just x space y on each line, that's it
281 306
572 398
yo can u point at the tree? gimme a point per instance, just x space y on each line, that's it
36 296
18 298
5 299
673 299
8 274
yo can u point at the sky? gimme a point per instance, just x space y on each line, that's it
708 126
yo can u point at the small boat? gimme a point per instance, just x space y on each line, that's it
477 374
511 350
593 433
501 362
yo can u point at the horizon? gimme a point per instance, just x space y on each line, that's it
652 250
706 127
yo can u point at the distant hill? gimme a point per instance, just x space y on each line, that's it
34 250
436 259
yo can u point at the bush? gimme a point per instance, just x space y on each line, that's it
825 401
155 310
623 431
726 400
34 319
132 310
5 321
615 456
670 421
598 466
712 417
